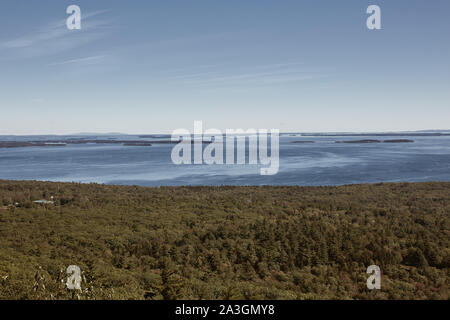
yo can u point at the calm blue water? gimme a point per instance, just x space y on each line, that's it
321 163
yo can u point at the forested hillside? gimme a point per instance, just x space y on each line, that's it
224 242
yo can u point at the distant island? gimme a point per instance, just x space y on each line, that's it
444 133
398 141
302 141
142 144
61 143
376 141
18 144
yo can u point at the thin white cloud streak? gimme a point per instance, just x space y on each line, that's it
256 75
79 61
280 68
52 31
176 44
192 76
54 38
37 100
251 79
280 65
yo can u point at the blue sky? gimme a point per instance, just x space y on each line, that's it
155 66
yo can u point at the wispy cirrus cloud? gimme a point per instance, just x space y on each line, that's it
54 38
256 76
81 61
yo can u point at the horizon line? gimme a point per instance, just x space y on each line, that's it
284 132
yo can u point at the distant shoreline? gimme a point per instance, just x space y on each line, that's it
416 133
59 143
64 142
377 141
224 186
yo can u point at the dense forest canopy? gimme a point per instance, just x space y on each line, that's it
224 242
